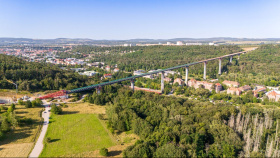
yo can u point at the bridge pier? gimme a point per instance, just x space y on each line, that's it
98 89
132 84
220 66
162 81
187 74
230 59
238 56
204 74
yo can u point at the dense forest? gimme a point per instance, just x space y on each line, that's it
180 127
261 66
158 57
37 76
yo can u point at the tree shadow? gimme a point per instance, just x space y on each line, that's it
21 112
69 112
114 153
54 140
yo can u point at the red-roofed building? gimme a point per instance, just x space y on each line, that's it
107 75
234 91
245 88
107 68
231 83
116 70
218 87
262 89
167 79
196 84
273 95
179 81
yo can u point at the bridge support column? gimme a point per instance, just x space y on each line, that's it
238 56
204 74
187 74
132 84
230 59
162 82
220 66
98 89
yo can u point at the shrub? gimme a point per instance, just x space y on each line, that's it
100 116
63 105
5 125
56 109
103 152
48 140
2 135
28 104
20 102
13 105
3 107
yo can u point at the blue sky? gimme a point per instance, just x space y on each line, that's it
130 19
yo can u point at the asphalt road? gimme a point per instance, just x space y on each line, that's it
39 144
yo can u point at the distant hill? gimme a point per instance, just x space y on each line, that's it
86 41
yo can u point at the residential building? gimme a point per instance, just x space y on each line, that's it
218 87
179 81
138 72
196 84
166 73
167 79
273 95
88 73
272 88
245 88
231 83
237 91
107 75
257 90
193 44
149 76
107 68
233 91
116 70
179 43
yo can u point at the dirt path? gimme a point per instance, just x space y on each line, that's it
39 144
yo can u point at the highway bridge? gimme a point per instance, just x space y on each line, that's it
132 78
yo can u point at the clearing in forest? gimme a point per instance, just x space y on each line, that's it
79 133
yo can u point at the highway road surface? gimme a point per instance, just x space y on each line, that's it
39 144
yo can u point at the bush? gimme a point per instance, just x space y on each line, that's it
56 109
28 104
20 102
103 152
100 116
13 105
48 140
27 121
2 135
3 107
5 125
63 105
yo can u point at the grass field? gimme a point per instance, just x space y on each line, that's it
79 133
75 133
19 143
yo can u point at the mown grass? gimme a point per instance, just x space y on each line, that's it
72 134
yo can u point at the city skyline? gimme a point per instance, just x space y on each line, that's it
122 20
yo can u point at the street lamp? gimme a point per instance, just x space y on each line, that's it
15 85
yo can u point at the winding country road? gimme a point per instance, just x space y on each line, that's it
39 144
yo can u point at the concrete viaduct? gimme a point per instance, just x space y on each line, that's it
132 78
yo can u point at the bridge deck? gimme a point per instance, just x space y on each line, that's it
146 74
